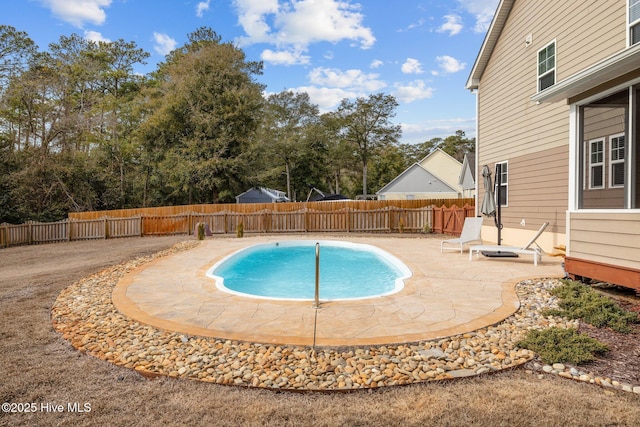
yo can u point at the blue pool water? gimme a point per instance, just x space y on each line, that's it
286 270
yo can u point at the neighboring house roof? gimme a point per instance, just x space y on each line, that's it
490 40
467 178
416 179
327 198
259 194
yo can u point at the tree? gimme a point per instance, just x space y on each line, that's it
205 110
16 49
341 161
387 165
458 145
67 115
366 125
286 137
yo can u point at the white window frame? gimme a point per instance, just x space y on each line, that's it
547 72
505 203
577 160
592 164
613 161
635 22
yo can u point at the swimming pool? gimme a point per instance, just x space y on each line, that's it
286 270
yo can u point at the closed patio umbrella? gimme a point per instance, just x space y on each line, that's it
488 207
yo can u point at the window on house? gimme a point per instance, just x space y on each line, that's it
502 183
634 21
606 181
547 66
616 159
596 163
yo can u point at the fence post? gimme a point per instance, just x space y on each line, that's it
348 219
106 228
265 219
4 232
306 220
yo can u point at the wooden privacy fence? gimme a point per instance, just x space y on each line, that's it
247 208
32 233
389 219
450 220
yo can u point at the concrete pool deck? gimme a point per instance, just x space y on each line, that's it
446 295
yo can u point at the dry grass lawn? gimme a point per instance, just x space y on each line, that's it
39 367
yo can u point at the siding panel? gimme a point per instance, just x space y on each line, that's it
610 238
534 138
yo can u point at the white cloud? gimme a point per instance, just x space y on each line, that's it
329 86
284 57
163 43
326 98
79 12
483 10
453 25
449 64
202 7
95 36
252 18
411 26
376 63
412 91
295 24
309 21
353 79
424 131
412 66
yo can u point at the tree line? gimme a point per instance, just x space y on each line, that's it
80 130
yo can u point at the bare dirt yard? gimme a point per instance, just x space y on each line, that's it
45 381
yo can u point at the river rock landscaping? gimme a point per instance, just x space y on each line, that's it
85 316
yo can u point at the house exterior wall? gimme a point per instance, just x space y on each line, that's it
534 138
620 233
444 167
418 183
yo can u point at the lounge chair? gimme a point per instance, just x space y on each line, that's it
470 233
526 249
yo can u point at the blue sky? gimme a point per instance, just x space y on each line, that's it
421 51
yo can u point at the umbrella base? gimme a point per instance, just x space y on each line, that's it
499 254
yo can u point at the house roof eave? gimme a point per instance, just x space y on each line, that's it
397 178
489 43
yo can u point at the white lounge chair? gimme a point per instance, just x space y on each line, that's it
526 249
470 233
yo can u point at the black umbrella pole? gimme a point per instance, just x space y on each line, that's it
499 201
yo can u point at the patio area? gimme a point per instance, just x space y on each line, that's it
446 295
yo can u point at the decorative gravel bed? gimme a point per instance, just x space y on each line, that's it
84 314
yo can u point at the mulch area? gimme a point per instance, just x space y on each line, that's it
622 361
